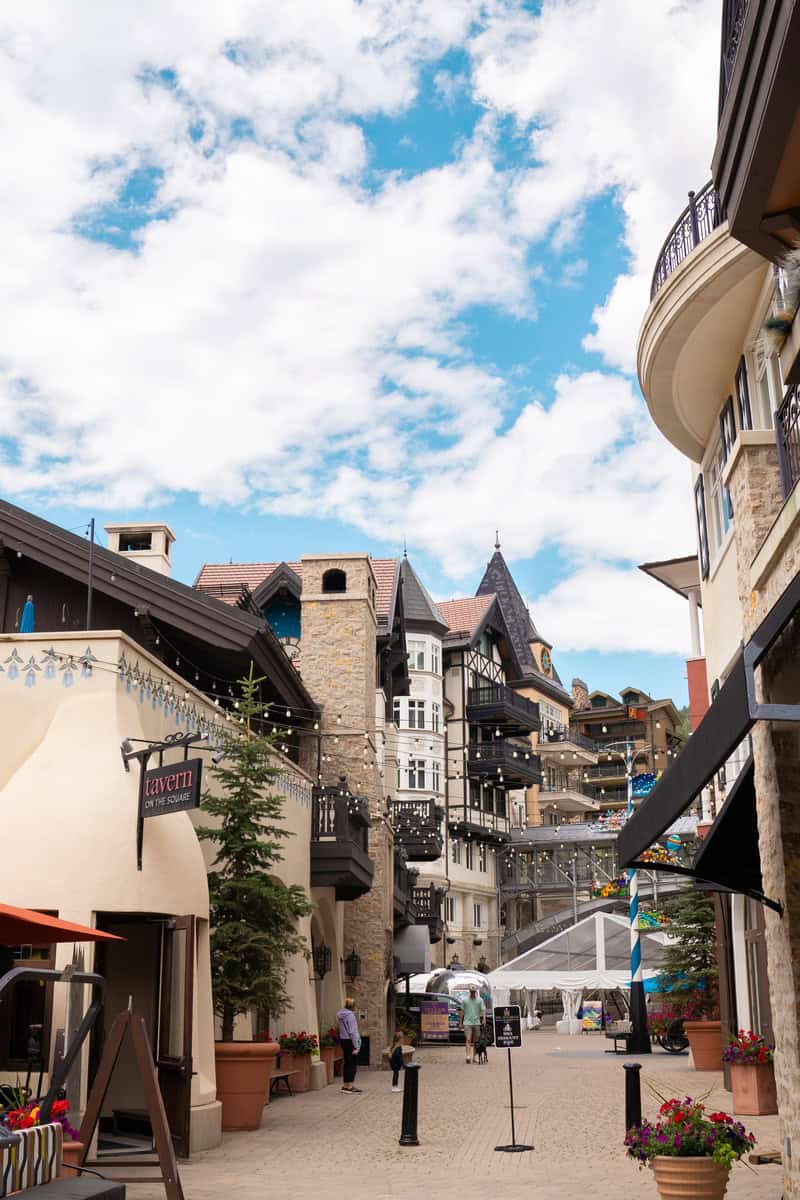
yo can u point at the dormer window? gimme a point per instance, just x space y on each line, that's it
334 581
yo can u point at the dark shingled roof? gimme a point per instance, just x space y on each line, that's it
417 603
498 579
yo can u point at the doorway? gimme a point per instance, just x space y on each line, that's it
153 971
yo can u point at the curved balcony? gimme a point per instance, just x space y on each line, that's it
705 292
701 217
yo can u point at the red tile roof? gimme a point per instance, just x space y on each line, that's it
224 580
464 616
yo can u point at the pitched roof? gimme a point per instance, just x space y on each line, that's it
225 580
417 603
498 579
465 616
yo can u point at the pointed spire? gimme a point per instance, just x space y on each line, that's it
405 547
497 539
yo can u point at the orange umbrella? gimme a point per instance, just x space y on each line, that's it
24 927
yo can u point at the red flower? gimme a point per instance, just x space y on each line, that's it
718 1116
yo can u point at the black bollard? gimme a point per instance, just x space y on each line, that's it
408 1135
633 1095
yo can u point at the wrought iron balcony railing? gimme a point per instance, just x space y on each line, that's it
701 217
504 763
418 828
428 909
787 427
340 841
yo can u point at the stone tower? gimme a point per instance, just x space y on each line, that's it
580 694
338 648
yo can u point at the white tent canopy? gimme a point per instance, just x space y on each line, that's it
590 956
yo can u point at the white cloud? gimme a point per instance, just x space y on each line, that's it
607 608
293 334
619 95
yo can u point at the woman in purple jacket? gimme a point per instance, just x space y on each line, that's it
350 1040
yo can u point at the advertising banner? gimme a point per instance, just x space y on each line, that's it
434 1021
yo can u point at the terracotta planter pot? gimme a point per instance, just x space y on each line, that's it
329 1054
72 1155
689 1178
753 1086
705 1039
243 1074
301 1063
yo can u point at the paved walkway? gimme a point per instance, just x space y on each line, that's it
571 1107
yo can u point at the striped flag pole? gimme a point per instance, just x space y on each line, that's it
639 1041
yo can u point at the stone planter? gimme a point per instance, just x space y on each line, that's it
753 1087
689 1178
243 1074
705 1039
71 1160
301 1064
329 1054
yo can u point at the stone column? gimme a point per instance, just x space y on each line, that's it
753 479
338 650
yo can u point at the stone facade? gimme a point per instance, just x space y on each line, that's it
580 694
338 650
757 497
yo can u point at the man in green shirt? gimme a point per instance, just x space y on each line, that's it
473 1019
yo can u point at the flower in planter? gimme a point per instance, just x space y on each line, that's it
683 1130
330 1037
299 1043
748 1049
30 1115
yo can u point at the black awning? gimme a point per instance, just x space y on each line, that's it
727 721
728 860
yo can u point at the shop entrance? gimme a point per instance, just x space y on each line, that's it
153 970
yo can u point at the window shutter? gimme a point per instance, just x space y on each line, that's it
702 525
743 396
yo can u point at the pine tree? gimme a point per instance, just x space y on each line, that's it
689 967
253 915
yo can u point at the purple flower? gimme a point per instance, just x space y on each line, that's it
677 1140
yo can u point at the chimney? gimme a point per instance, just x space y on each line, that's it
580 694
148 543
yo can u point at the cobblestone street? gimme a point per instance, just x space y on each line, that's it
571 1106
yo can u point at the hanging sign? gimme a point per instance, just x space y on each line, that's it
170 789
643 784
508 1027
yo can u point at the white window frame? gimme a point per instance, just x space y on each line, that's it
417 772
450 908
416 655
767 394
416 714
469 857
436 779
477 914
720 520
436 659
397 711
483 857
436 716
455 851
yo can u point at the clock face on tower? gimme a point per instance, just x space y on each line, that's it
291 647
546 661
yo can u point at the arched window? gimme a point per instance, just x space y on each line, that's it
334 581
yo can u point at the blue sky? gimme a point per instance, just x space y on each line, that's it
297 280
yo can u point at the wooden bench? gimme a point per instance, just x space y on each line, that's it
619 1031
279 1077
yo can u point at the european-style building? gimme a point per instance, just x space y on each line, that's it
719 367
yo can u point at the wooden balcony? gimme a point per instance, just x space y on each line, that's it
405 878
562 741
478 825
339 842
498 706
504 764
418 829
428 907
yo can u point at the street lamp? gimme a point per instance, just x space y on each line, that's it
639 1040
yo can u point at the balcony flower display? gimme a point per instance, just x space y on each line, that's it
615 887
690 1151
751 1061
660 854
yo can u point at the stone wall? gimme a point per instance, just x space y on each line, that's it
580 693
339 668
755 489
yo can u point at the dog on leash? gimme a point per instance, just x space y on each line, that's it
481 1048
